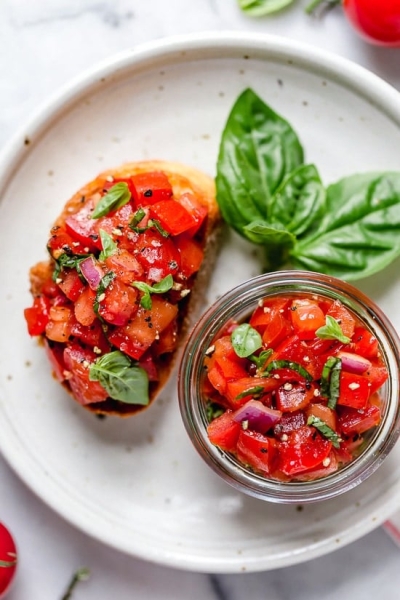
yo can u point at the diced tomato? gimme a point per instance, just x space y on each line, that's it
59 325
224 432
305 449
191 255
142 330
343 317
125 266
377 375
216 378
151 187
354 390
61 241
291 397
256 450
83 307
296 350
82 227
364 343
119 303
91 335
353 421
174 218
116 224
276 330
327 415
236 389
197 210
289 422
332 466
55 354
167 340
77 362
71 284
307 317
148 364
157 255
37 316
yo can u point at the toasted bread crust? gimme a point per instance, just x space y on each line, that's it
183 179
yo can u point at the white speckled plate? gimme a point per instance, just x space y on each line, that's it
138 484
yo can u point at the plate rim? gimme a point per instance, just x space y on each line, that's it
343 71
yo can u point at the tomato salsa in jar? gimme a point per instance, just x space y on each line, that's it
289 387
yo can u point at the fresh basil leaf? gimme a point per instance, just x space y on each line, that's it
325 430
299 202
288 364
332 331
137 217
68 261
259 8
360 233
160 287
258 150
118 195
254 391
262 358
108 245
245 340
104 283
122 379
330 380
213 410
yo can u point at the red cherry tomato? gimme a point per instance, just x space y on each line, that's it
377 21
8 560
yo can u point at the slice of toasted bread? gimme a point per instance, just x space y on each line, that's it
184 180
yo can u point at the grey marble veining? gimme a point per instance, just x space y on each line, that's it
43 45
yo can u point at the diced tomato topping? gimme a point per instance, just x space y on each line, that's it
77 361
37 316
83 307
151 187
323 412
91 335
197 210
377 375
289 422
307 317
224 432
364 343
343 317
256 450
119 303
71 284
354 390
60 241
305 449
82 227
236 389
55 353
191 255
59 325
157 255
291 397
174 217
217 379
353 421
142 330
125 266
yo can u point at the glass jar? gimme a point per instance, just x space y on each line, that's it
238 304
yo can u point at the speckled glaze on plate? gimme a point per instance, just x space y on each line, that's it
138 484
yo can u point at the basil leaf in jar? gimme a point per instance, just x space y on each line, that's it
332 331
245 340
121 378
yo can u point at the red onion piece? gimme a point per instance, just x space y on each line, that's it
92 272
354 363
259 417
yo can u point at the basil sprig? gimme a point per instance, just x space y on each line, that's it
330 380
332 331
259 8
288 364
245 340
104 283
118 195
329 433
108 245
350 229
253 391
260 359
121 378
68 261
161 287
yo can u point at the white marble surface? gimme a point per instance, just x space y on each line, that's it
43 45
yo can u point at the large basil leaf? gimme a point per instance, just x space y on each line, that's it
360 233
258 150
121 378
299 202
259 8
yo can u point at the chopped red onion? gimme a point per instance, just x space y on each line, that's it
259 417
92 272
354 363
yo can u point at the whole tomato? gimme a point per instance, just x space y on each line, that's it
8 560
378 21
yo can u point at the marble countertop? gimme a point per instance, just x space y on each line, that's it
43 45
